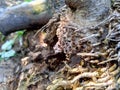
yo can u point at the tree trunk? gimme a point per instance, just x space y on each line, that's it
28 15
76 23
89 12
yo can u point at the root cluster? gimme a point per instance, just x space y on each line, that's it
98 49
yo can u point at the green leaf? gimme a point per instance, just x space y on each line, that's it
1 59
2 37
8 54
19 35
27 0
21 41
7 45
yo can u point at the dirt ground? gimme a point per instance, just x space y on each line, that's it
37 67
8 68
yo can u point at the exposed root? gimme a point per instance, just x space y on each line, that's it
109 60
96 46
103 79
71 57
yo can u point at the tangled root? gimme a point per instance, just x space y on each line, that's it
98 51
81 78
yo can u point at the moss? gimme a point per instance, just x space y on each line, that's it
39 7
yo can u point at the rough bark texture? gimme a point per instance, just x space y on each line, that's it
25 15
89 12
96 55
28 15
75 22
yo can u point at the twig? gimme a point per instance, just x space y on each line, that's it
109 60
88 54
92 54
78 69
85 74
91 36
103 84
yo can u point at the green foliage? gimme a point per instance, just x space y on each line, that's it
19 35
7 45
112 2
7 50
27 0
2 37
7 54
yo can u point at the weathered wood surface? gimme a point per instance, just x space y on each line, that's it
27 15
89 12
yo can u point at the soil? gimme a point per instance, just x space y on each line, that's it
8 69
42 63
